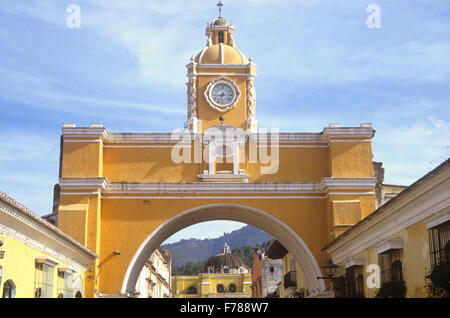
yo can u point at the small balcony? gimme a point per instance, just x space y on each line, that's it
290 280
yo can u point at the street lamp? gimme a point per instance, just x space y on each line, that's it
330 268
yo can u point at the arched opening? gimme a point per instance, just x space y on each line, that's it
220 288
229 212
192 290
221 37
9 289
396 271
360 286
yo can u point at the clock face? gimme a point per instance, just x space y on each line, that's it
222 94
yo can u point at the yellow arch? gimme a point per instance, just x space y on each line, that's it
229 212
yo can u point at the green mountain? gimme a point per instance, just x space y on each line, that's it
195 250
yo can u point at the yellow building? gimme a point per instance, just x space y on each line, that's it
226 275
36 258
292 283
393 250
129 192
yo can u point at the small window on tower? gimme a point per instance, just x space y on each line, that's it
221 39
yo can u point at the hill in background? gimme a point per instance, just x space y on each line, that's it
195 250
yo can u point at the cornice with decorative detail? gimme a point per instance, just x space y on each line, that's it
326 137
21 223
322 187
84 132
418 205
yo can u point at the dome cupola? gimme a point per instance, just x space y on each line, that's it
226 263
220 47
221 85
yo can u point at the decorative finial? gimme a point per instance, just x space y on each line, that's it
226 249
220 5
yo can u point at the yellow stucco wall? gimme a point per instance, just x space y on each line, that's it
350 159
296 164
300 278
19 264
106 224
209 117
206 285
126 224
415 260
81 160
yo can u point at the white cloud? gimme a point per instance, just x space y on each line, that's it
409 151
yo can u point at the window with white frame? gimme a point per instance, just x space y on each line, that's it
65 284
44 280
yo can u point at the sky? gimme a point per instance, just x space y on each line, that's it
318 63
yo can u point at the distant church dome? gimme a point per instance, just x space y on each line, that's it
226 262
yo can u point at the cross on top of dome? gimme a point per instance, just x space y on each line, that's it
220 5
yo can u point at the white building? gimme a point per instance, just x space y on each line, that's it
154 280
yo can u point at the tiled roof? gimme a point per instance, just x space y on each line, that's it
10 201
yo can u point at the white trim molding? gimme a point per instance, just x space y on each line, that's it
354 261
327 184
348 132
46 260
235 185
233 178
426 197
22 224
66 270
324 138
83 183
438 219
94 131
390 245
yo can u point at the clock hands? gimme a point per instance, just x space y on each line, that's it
222 95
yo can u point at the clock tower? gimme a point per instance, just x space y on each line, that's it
221 83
